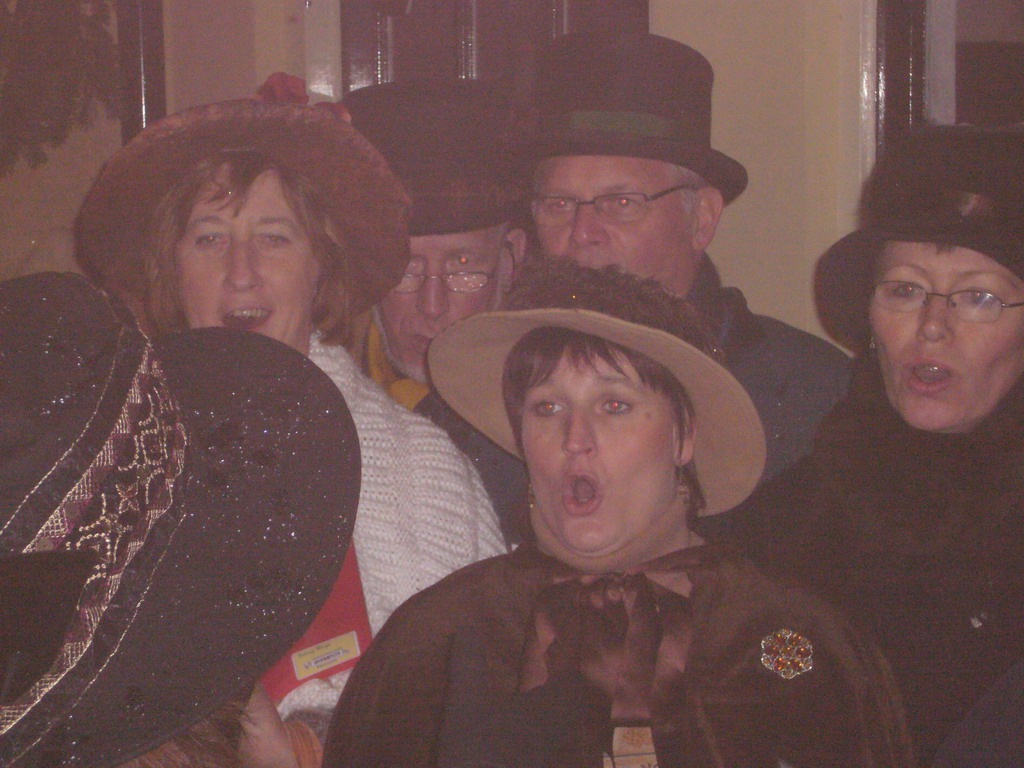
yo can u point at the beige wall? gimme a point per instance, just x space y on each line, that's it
224 49
788 105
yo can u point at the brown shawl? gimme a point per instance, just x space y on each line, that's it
734 709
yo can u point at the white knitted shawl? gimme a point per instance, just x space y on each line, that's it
423 511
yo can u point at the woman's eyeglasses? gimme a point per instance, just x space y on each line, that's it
972 305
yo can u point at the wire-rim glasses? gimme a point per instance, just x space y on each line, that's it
457 282
972 304
618 207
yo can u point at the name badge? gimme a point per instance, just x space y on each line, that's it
632 747
335 640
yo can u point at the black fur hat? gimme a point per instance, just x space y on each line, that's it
946 185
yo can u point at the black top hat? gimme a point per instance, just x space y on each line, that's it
947 185
638 95
451 142
196 495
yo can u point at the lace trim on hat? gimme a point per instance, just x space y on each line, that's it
111 511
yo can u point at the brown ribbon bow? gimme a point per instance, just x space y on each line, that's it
628 634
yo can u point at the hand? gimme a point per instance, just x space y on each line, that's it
264 742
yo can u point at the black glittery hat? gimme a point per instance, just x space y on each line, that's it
172 515
947 185
452 144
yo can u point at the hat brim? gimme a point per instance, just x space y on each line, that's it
447 200
258 549
235 568
365 204
722 172
467 363
843 279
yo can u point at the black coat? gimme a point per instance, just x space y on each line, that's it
917 536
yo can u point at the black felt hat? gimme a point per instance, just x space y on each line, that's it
453 145
947 185
638 95
172 516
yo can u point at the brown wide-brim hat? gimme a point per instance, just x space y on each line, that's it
467 363
946 185
636 95
365 204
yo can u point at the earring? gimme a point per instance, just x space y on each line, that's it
682 481
871 343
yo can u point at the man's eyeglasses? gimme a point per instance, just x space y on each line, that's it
457 282
972 305
616 207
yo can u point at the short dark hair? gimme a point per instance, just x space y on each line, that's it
231 175
611 291
534 358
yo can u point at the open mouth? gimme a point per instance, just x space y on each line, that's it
580 494
247 319
583 490
930 374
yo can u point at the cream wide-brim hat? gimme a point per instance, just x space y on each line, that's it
467 363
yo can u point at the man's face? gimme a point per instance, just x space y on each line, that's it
666 244
409 321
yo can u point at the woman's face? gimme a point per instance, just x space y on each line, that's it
941 373
602 450
253 268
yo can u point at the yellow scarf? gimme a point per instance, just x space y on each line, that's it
403 390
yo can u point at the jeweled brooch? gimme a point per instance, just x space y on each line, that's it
787 653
